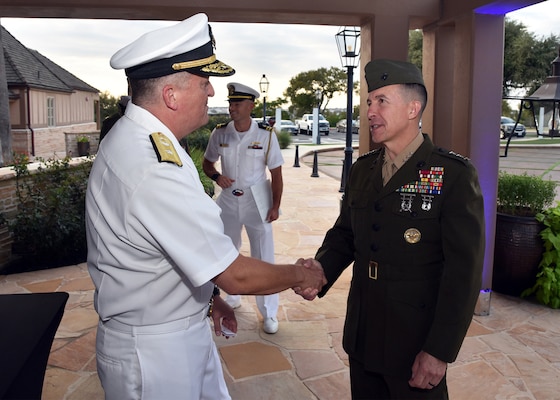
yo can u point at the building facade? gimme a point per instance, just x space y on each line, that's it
49 106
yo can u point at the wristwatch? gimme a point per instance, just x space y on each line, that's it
215 176
216 292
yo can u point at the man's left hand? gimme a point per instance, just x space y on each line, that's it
223 314
272 215
427 371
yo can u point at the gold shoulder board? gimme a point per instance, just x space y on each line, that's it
164 148
265 126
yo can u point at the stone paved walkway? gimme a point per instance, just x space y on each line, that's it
513 353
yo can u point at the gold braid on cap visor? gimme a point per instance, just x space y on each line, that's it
208 65
238 96
194 64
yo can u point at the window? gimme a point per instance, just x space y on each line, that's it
50 111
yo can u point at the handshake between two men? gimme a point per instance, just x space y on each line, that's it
247 275
251 276
315 270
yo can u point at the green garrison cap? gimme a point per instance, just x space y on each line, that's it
380 73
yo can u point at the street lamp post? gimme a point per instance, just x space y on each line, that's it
319 98
263 84
347 40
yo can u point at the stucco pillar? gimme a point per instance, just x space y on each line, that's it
385 36
463 67
484 123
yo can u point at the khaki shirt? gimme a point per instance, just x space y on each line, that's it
390 167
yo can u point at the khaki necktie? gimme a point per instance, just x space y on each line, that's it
389 169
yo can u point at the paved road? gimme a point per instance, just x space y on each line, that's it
542 160
333 137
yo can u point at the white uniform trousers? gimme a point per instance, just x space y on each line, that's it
176 360
242 211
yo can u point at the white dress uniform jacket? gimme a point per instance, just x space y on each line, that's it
155 239
244 157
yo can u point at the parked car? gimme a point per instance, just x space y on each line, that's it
341 126
305 124
506 128
288 126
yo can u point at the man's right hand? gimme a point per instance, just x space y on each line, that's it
314 279
224 182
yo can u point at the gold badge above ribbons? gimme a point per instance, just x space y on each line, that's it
412 235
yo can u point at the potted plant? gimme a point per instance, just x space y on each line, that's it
547 285
518 247
83 145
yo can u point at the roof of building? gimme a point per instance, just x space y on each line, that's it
30 68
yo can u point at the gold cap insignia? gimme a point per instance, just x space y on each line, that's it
164 148
412 235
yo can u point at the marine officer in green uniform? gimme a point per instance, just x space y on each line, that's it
412 222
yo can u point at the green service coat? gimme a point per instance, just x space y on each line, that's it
417 259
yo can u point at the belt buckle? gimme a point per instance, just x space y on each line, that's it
373 266
237 192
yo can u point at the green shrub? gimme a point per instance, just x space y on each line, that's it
284 139
547 286
48 228
197 156
198 139
524 195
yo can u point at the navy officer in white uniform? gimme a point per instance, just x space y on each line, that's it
156 243
246 149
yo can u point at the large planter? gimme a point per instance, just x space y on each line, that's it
518 251
83 149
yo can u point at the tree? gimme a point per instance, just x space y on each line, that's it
271 105
415 41
303 87
526 59
108 105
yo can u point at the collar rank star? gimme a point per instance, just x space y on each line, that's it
429 184
164 149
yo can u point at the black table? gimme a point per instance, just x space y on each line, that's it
28 323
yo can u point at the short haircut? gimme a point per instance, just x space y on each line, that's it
415 91
143 90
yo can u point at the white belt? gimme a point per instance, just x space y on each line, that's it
172 326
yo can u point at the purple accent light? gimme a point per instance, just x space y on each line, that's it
498 9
